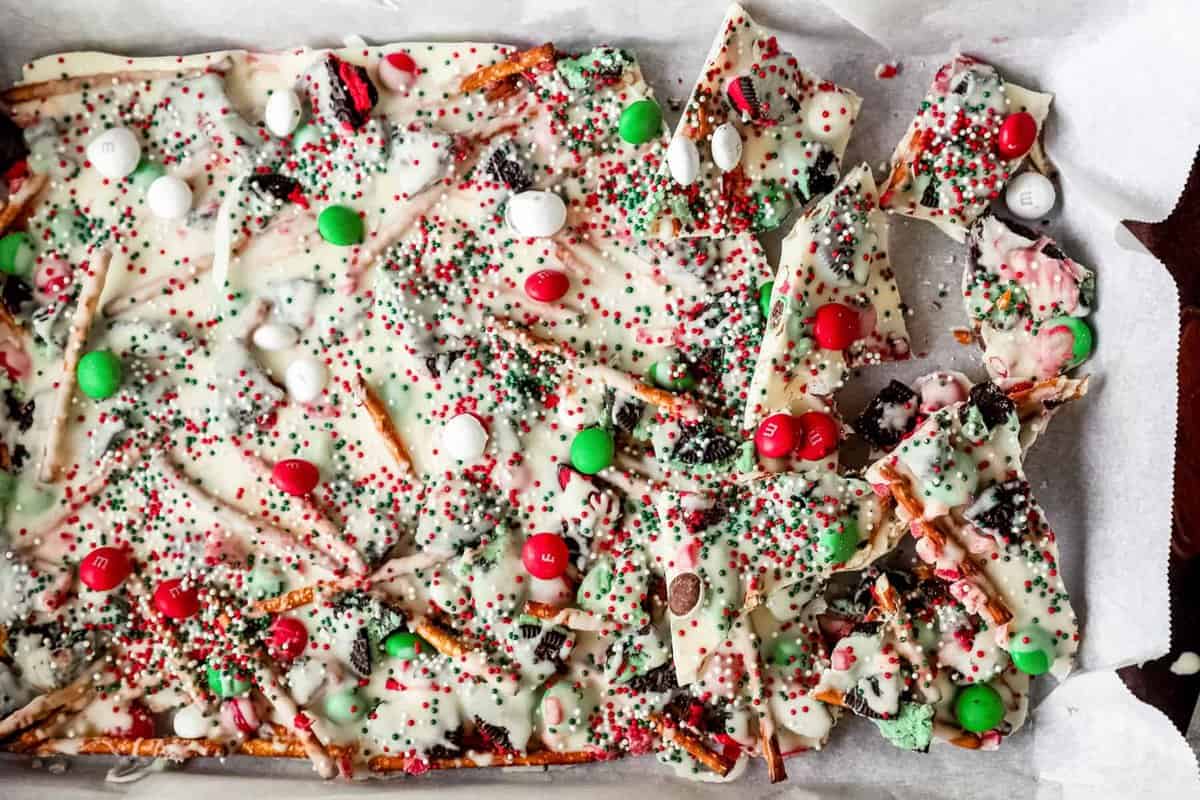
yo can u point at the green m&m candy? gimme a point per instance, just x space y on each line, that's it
99 374
16 254
838 542
226 683
592 450
978 708
788 652
341 226
764 297
640 122
404 645
1032 650
264 582
147 172
1082 339
344 706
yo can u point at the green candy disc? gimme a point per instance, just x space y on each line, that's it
640 122
16 254
265 582
1082 339
673 377
592 450
147 172
764 297
340 226
839 541
345 706
979 708
788 652
99 374
1032 650
225 683
404 645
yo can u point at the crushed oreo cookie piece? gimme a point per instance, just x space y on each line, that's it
494 736
1001 510
505 166
660 679
993 404
12 143
360 653
549 648
701 443
18 412
272 185
889 417
351 92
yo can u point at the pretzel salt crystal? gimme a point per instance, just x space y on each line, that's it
995 607
513 65
378 412
29 189
81 325
299 724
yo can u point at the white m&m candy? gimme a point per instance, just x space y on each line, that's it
169 197
283 112
115 153
726 147
190 722
272 336
1030 195
683 159
305 378
535 213
464 437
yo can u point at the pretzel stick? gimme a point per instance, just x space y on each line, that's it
46 704
540 758
274 537
297 721
995 607
81 324
43 90
394 568
574 618
378 412
327 535
163 286
776 771
956 736
171 747
672 732
29 189
382 240
92 488
527 340
442 640
513 65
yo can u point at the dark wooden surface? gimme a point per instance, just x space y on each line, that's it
1175 242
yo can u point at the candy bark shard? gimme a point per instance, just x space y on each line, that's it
770 136
835 253
963 478
1027 301
947 168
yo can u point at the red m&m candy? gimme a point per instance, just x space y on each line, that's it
295 476
1017 134
776 436
104 568
836 326
176 601
545 555
287 638
818 437
547 285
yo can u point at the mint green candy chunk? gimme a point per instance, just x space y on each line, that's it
344 706
226 683
99 374
341 226
147 172
592 450
640 122
17 254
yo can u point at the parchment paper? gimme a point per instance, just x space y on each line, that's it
1123 129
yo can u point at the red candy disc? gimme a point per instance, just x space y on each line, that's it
547 285
402 62
819 436
287 639
295 476
836 326
104 568
776 436
173 600
545 555
1017 134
